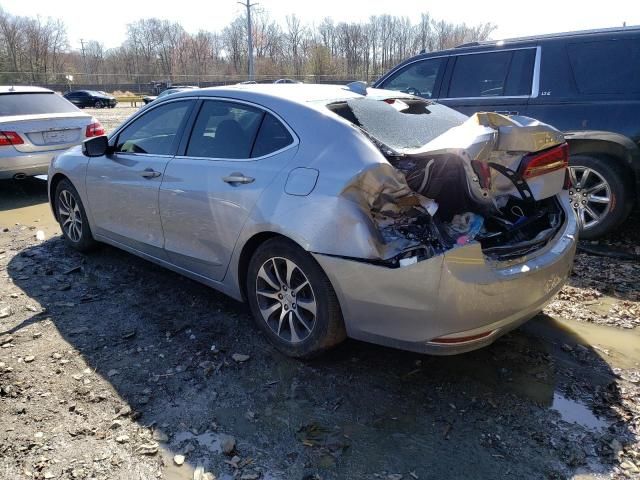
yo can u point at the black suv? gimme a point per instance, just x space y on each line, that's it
586 84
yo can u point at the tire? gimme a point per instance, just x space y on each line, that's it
77 235
98 104
323 330
615 187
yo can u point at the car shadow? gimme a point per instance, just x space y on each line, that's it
166 345
22 193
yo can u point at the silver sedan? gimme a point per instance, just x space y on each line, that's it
334 211
36 125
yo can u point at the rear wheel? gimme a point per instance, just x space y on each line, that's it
599 194
72 217
292 300
98 104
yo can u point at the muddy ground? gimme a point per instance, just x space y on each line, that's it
113 368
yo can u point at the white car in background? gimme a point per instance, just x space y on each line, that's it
36 124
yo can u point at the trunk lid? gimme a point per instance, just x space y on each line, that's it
45 132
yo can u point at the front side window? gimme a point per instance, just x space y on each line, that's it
154 132
417 78
606 67
225 130
492 74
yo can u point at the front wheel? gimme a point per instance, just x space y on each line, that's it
72 217
98 104
292 300
599 194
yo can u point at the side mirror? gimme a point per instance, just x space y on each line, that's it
96 146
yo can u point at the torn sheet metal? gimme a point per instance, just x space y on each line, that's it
489 138
383 193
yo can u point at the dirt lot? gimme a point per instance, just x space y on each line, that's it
113 368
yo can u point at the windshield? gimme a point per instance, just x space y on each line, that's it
34 104
399 123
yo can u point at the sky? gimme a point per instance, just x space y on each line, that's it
514 18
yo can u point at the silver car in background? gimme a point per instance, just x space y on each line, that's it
35 125
334 211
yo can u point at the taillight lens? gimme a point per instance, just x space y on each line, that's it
539 163
94 129
10 138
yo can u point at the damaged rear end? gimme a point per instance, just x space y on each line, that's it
475 233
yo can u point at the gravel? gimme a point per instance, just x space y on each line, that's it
133 365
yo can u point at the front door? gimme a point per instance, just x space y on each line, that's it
123 186
235 151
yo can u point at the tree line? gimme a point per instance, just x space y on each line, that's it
36 50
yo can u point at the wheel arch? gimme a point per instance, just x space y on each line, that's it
248 249
53 184
612 147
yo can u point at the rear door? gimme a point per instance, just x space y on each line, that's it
497 81
122 187
234 152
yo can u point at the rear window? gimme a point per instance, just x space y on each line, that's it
609 66
33 104
399 123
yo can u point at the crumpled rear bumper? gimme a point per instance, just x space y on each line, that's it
458 295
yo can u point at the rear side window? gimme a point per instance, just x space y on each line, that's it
417 78
273 136
224 130
34 104
609 66
154 132
492 74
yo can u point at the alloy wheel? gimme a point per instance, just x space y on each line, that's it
70 216
590 195
286 299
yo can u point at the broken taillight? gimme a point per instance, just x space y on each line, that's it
539 163
10 138
94 129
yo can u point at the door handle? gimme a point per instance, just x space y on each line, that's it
237 178
150 173
505 112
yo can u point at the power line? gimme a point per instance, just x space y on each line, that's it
248 6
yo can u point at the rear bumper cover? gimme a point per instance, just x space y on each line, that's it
27 163
458 294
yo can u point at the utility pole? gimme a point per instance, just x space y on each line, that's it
248 6
84 61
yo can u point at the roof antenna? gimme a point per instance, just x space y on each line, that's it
358 87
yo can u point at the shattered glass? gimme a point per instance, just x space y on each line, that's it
402 128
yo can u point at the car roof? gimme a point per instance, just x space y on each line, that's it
8 89
553 36
300 93
519 42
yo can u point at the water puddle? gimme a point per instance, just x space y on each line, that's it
208 440
25 203
572 411
617 347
